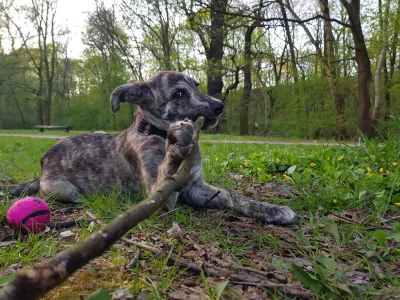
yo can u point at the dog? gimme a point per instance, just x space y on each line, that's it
145 154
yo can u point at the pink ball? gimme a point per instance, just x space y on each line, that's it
31 214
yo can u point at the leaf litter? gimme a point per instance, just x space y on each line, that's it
312 257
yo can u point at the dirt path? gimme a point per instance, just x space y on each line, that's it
272 142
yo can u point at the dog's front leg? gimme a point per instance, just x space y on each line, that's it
179 143
203 195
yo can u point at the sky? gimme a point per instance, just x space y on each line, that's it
71 14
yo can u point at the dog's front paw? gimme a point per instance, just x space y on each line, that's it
180 138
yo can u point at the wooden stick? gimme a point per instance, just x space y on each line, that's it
33 283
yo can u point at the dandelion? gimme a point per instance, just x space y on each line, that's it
397 204
313 164
315 141
261 153
394 164
278 160
259 169
387 172
340 157
334 201
241 166
380 170
369 170
286 177
216 158
246 161
369 174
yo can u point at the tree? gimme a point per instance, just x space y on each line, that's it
381 65
364 120
159 31
329 63
212 38
42 54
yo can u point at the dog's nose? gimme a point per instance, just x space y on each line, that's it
217 107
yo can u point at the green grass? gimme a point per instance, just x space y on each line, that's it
340 193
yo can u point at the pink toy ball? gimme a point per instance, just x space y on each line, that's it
30 214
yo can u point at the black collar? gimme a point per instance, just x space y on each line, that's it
145 128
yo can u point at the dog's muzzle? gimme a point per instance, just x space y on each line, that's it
217 107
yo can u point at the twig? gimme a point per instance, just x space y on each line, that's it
68 224
395 218
284 288
6 243
213 196
33 283
132 263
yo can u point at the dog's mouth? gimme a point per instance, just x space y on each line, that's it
208 123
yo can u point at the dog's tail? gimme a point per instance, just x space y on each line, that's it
26 188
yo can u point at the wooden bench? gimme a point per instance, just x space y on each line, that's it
50 127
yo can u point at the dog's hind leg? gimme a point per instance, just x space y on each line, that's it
61 191
203 195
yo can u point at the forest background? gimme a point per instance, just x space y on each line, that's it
300 69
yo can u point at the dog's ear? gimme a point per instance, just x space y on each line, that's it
135 92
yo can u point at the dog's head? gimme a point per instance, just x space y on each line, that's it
168 97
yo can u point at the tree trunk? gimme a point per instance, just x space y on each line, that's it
381 63
216 50
330 62
290 43
244 108
364 121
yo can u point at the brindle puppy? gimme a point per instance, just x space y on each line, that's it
146 153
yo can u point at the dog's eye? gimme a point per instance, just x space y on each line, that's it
178 94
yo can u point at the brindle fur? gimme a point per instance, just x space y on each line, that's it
130 161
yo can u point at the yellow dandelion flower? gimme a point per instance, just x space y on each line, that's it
286 177
241 166
380 170
334 201
313 164
369 170
216 158
387 172
246 161
261 153
315 141
278 160
340 157
394 164
369 174
397 204
259 169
